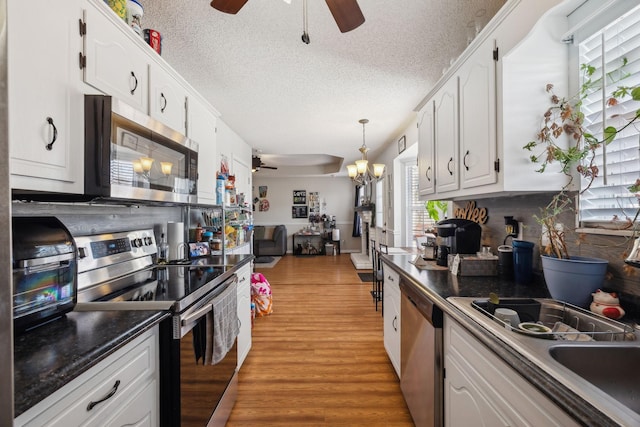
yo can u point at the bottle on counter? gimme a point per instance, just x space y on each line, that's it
163 249
199 231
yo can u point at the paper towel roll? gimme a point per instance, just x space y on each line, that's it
335 235
175 240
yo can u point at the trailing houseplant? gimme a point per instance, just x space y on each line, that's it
562 121
565 140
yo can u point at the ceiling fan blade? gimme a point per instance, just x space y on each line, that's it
228 6
269 167
347 14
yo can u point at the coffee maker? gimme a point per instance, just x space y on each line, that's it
457 236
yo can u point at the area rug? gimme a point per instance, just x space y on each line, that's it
260 261
366 277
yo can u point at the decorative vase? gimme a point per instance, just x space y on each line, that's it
573 280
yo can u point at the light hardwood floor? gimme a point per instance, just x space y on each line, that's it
319 358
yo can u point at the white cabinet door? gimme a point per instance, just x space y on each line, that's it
115 65
478 117
426 150
391 313
481 389
167 99
244 312
45 133
201 127
446 137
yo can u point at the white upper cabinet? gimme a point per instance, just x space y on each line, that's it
46 132
446 137
113 63
201 127
490 104
426 152
477 88
167 98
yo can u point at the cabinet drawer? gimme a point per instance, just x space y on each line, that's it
391 277
131 367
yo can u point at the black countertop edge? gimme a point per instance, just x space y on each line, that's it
440 284
50 356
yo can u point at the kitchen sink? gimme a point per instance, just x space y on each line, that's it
597 358
618 376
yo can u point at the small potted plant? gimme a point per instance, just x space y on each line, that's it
563 121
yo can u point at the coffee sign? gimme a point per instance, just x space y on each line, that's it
472 213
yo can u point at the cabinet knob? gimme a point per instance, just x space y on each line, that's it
55 134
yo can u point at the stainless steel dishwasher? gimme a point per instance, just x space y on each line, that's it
421 359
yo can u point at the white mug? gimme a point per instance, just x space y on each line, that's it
508 316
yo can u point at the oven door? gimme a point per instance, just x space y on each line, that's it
195 393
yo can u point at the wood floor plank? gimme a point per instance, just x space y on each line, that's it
319 358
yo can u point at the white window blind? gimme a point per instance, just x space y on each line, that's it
608 198
417 218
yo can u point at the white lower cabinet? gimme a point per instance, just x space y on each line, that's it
482 390
120 390
244 312
391 313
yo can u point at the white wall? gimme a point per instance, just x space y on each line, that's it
390 157
337 196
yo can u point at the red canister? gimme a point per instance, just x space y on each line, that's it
154 39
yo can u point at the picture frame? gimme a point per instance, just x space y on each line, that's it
300 197
299 211
402 144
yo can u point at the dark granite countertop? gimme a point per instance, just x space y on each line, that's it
48 357
440 284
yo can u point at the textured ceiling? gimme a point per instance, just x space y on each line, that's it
286 98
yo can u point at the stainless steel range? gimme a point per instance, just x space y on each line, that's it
116 271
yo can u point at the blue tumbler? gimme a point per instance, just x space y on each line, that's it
523 261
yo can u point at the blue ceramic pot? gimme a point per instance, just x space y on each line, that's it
573 280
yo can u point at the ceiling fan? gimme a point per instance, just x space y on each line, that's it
346 13
256 164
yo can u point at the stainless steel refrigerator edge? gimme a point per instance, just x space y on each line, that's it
6 316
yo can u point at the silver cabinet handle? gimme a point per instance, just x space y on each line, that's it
394 323
464 160
427 174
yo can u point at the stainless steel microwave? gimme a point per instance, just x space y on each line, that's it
130 156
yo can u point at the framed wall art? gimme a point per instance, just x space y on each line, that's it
299 212
402 144
300 197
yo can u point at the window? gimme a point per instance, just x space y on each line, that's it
417 218
608 198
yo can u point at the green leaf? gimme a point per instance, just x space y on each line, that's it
635 93
609 134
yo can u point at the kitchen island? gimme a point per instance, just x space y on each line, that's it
439 285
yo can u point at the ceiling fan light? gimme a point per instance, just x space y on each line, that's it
361 165
378 169
352 170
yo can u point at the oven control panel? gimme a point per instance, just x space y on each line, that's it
103 250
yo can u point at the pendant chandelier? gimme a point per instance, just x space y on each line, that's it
360 173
